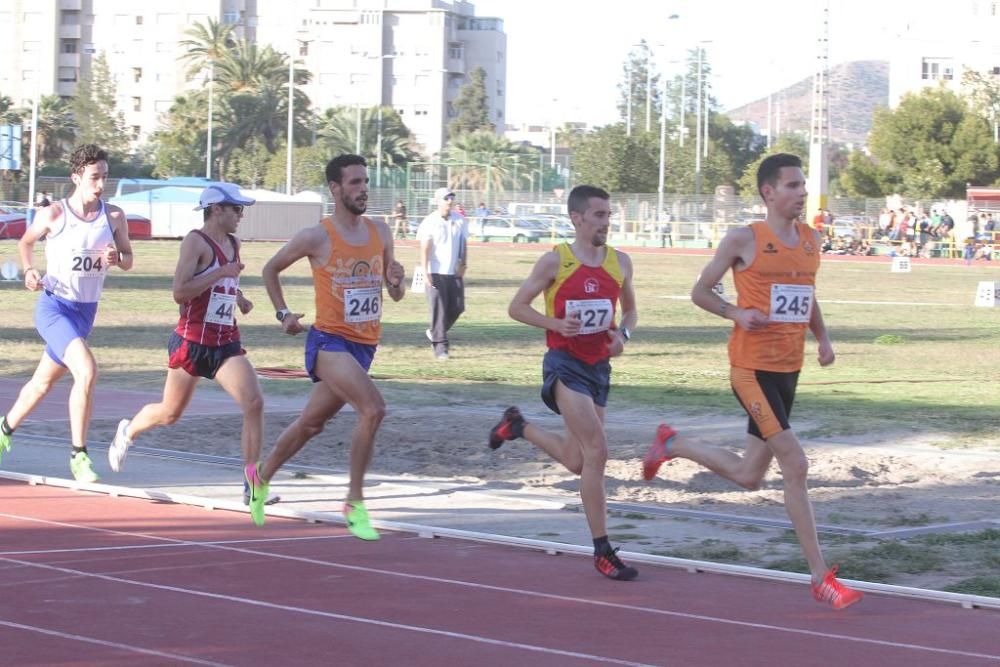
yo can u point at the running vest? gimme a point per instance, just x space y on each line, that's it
349 287
591 292
210 318
780 282
74 255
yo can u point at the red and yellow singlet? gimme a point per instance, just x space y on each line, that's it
589 292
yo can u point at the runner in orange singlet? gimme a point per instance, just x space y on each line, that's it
351 258
774 266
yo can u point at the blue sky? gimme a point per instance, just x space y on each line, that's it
565 56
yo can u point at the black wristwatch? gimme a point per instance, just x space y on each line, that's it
626 334
282 314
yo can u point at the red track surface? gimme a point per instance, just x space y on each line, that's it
90 579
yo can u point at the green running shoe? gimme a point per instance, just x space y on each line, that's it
258 492
357 520
4 440
82 468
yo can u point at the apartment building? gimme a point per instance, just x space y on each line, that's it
412 55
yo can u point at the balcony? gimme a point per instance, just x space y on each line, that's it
70 32
66 88
456 65
69 60
71 4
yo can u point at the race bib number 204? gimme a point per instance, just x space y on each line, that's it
791 303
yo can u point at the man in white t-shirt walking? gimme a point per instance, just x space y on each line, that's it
442 236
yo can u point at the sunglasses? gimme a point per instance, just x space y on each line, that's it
238 208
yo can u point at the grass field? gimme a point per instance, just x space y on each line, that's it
915 359
913 353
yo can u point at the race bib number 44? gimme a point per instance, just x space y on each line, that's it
362 304
791 303
88 263
594 314
221 309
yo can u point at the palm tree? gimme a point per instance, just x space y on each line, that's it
337 132
206 45
483 161
56 128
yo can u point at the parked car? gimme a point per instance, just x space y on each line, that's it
139 226
517 230
13 222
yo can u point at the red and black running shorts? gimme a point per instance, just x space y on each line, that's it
200 360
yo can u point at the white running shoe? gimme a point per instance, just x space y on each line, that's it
119 446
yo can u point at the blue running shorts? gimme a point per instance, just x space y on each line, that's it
59 321
594 380
320 340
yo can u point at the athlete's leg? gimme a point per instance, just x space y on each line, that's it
177 392
35 390
348 380
748 470
322 405
794 470
563 448
585 425
238 377
83 367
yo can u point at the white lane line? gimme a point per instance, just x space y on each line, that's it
952 304
129 547
332 615
101 642
520 591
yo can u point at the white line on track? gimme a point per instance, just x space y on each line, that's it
671 297
467 584
128 547
101 642
341 617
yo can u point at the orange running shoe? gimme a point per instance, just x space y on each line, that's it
657 455
510 427
837 594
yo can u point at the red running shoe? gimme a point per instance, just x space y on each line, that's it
835 593
511 427
612 567
657 455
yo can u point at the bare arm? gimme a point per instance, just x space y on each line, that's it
394 273
629 311
305 243
195 255
120 254
41 226
732 252
542 275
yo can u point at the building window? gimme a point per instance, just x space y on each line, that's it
230 18
70 45
499 56
70 17
137 74
30 47
136 104
67 74
499 89
456 51
138 20
934 69
303 48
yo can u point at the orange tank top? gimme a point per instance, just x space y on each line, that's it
779 282
349 287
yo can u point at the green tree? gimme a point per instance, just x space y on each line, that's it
863 177
610 159
935 144
206 45
472 106
308 168
483 161
179 146
639 83
96 116
795 144
337 129
56 129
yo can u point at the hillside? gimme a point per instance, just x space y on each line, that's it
856 89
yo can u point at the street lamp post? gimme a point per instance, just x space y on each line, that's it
208 141
649 89
628 103
697 132
291 118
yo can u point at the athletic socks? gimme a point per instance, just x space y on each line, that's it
601 545
5 427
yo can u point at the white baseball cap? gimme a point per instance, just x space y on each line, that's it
441 194
223 193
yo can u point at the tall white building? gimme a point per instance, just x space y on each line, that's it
52 43
940 43
412 55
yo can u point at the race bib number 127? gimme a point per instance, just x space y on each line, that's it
791 303
594 314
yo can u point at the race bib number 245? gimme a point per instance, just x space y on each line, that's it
791 303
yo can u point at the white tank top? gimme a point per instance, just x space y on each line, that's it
74 255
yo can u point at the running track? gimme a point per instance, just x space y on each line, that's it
99 580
